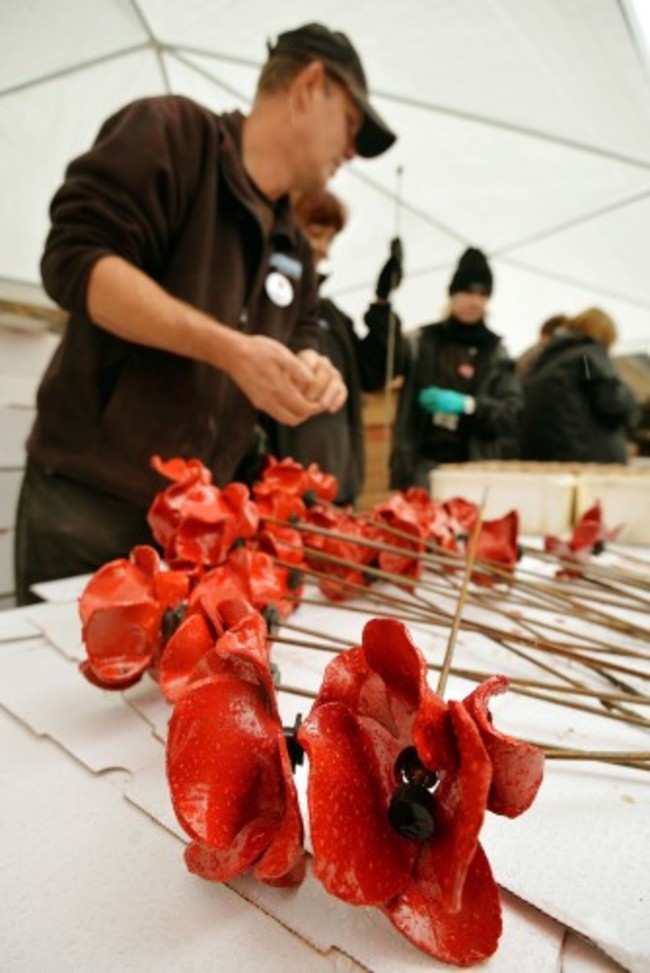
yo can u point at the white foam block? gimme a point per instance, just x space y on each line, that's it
90 883
47 692
581 854
531 942
65 589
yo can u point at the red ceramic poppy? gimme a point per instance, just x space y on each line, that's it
343 561
463 512
195 521
498 544
589 537
281 540
402 518
213 608
289 477
398 786
228 766
435 521
122 609
255 576
165 512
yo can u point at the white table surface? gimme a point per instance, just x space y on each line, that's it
92 876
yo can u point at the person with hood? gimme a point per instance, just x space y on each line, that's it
335 440
576 407
460 399
191 297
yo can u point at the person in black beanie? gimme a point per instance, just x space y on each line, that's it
460 399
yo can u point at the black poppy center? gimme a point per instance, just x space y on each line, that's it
294 749
171 619
411 807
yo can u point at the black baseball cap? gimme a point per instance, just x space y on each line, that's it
340 58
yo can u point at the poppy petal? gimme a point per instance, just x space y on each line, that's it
283 863
191 641
517 767
463 936
222 761
121 642
460 805
122 581
357 855
225 864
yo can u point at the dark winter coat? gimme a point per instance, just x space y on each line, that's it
484 371
163 187
576 408
336 441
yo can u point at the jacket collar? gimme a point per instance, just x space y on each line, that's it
284 227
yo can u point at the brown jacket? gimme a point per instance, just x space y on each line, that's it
164 187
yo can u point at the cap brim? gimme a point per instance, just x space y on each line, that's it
374 135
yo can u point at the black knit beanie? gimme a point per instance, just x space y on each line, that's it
472 274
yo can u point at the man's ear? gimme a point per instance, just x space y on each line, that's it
307 82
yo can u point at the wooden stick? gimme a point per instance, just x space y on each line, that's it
337 645
453 635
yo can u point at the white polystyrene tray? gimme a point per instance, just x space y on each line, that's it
544 501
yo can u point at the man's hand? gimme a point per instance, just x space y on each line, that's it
327 387
288 387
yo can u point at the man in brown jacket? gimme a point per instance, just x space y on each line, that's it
191 296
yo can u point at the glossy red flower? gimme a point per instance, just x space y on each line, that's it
276 535
207 616
122 611
404 520
588 537
228 766
498 544
437 524
464 514
399 782
194 521
257 578
344 557
287 476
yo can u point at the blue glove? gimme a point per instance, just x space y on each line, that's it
434 399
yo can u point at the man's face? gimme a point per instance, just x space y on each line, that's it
469 306
330 126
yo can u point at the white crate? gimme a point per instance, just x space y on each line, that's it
544 500
624 497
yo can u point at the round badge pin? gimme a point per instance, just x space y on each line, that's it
279 289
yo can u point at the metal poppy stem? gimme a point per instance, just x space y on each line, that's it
517 686
515 683
623 758
544 592
499 635
455 627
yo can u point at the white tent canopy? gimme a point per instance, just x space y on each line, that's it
524 129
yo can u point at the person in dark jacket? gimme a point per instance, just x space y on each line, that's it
191 297
576 407
335 440
528 357
461 399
